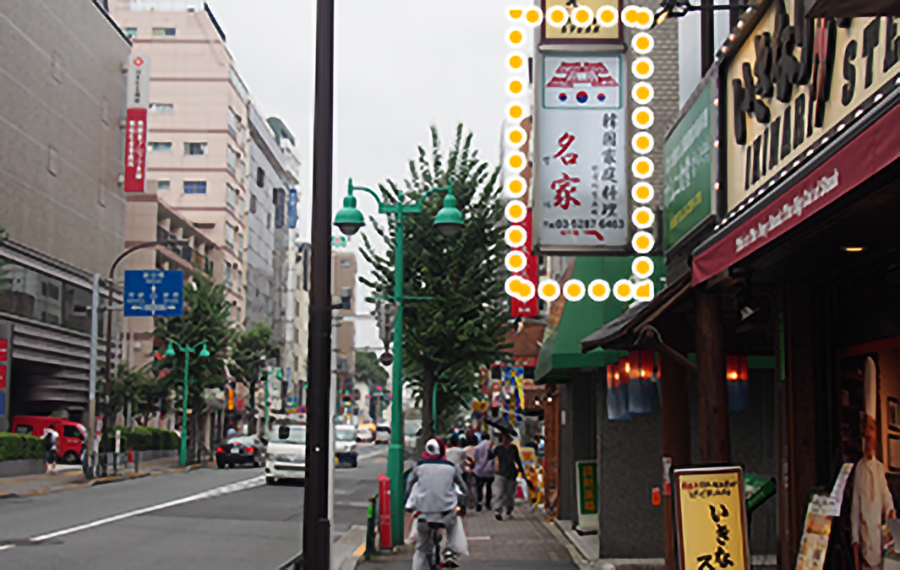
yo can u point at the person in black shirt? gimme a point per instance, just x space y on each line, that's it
507 465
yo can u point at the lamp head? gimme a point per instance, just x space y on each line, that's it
169 350
348 218
449 219
203 351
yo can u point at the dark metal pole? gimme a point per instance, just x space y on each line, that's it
316 525
707 35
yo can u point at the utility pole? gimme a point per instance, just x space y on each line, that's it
316 518
89 460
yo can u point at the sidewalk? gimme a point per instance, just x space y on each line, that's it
72 477
525 542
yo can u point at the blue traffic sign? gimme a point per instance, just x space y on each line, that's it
154 293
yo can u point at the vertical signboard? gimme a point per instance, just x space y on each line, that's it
137 100
581 191
711 518
529 308
5 373
688 195
588 496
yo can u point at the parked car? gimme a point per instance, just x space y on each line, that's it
364 434
72 435
383 434
286 454
345 445
240 450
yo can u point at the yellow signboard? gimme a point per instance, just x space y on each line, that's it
711 518
572 34
782 105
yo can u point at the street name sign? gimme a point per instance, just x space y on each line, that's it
154 293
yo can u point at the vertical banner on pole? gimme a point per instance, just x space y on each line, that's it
5 373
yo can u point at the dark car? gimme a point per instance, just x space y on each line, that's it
242 450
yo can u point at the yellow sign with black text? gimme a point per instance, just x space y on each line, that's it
711 518
792 83
589 34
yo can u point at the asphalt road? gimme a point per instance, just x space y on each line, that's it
208 518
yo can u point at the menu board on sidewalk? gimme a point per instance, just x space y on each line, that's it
711 518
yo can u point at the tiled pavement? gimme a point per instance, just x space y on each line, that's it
524 542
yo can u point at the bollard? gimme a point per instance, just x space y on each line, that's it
370 528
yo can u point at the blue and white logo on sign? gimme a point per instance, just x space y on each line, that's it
154 293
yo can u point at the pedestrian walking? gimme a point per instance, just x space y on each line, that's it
507 465
50 436
456 455
469 471
484 473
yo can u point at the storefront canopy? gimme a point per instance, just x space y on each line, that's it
561 352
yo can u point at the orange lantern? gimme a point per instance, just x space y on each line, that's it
737 376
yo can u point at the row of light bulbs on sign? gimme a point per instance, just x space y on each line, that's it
642 143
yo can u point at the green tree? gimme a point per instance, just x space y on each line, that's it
369 370
207 318
462 323
139 387
251 349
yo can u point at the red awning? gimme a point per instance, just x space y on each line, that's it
872 150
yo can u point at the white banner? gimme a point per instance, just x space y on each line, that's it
138 89
581 189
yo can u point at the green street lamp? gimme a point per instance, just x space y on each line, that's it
187 350
449 221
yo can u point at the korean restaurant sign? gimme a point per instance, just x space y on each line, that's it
137 101
711 518
688 170
573 35
581 190
784 97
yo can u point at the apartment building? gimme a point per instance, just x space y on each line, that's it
198 140
61 102
300 283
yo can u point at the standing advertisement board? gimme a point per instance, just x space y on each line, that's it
581 189
689 170
137 101
588 497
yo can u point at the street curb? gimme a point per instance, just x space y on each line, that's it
577 556
355 534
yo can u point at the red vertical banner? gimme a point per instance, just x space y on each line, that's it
518 308
4 349
384 510
135 149
2 377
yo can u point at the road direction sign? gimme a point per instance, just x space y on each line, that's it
154 293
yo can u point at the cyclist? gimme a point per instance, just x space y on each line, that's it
433 491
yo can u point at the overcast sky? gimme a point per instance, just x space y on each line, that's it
400 66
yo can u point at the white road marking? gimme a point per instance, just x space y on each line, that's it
368 455
7 546
234 487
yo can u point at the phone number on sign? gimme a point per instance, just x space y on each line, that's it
565 223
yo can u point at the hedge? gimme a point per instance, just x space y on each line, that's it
146 438
19 446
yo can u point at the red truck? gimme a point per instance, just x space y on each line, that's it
72 435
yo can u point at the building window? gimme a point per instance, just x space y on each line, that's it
230 197
194 187
240 206
345 263
229 235
160 146
240 277
163 184
260 176
195 148
131 32
268 221
238 84
346 297
252 204
164 32
162 108
232 160
297 305
239 315
229 273
234 122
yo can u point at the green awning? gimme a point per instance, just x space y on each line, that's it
561 353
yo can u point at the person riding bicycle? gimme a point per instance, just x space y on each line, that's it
433 490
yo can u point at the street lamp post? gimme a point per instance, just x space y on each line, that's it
449 221
187 350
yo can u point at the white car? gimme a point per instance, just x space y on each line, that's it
364 434
345 445
286 454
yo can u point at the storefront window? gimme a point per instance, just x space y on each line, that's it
34 295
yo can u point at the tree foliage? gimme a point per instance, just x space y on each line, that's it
252 348
369 370
139 387
207 318
462 323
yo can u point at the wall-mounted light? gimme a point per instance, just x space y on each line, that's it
853 248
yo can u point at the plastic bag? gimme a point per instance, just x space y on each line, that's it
414 533
458 541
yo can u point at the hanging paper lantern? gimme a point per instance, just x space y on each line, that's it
737 377
616 397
